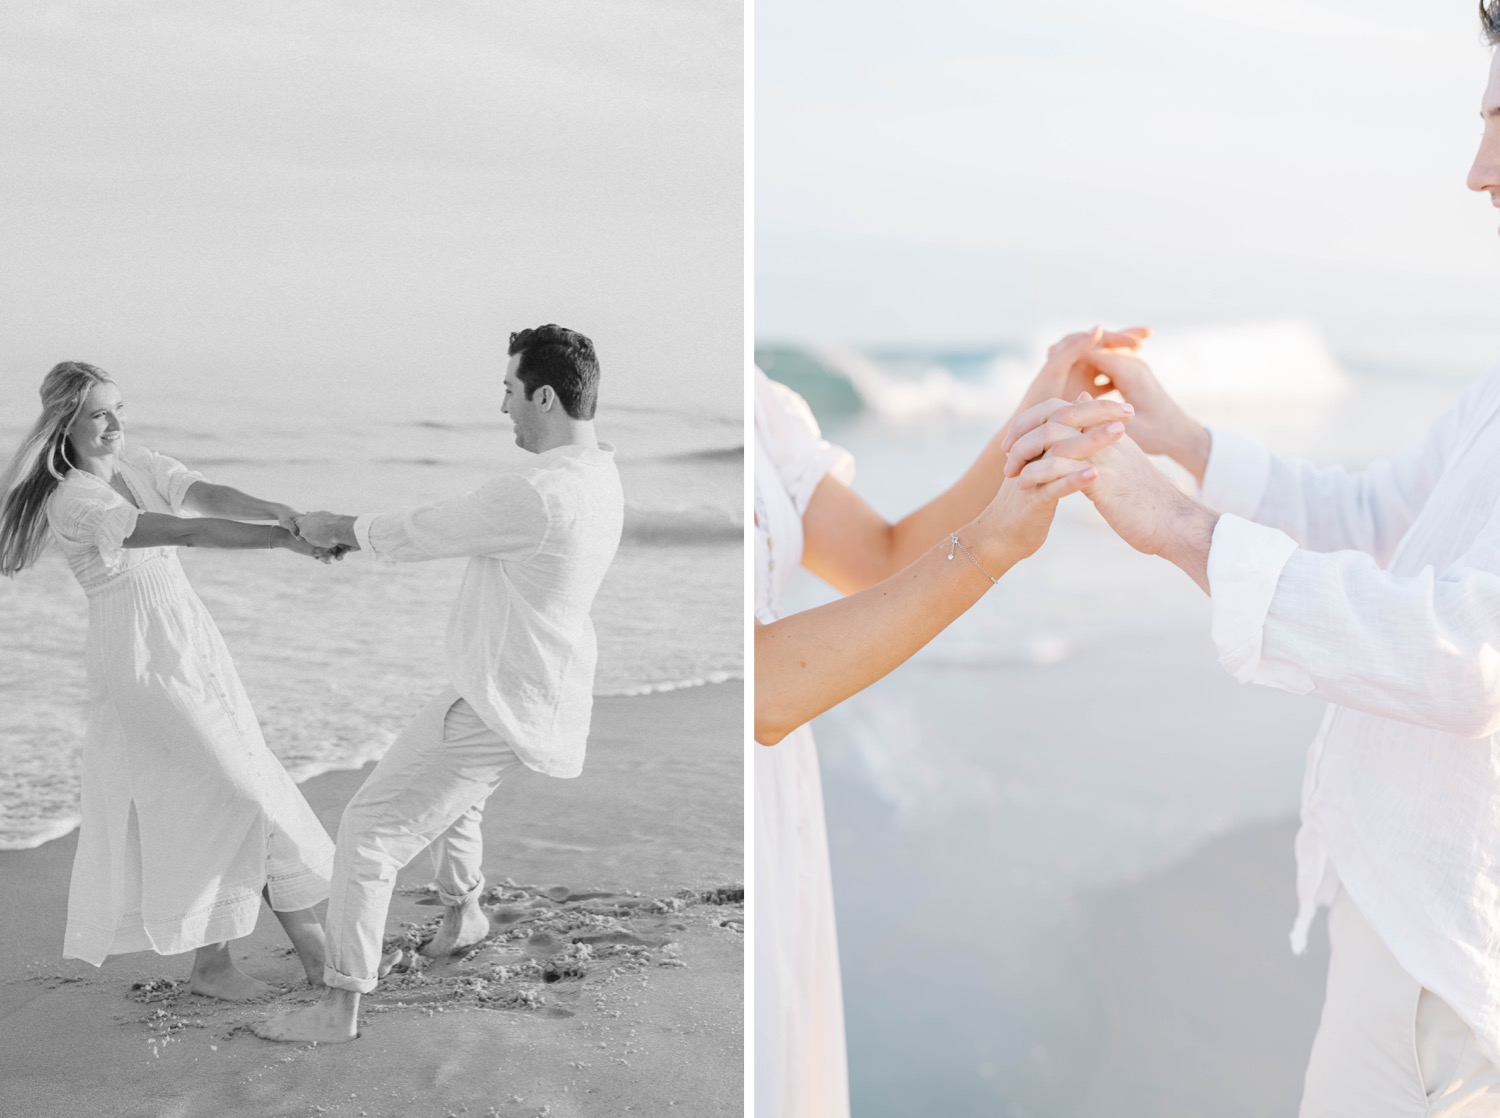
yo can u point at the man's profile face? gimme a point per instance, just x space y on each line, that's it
525 414
1485 174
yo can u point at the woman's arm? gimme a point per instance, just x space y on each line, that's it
224 501
852 547
155 529
811 661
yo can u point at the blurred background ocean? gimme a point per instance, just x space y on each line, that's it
1061 834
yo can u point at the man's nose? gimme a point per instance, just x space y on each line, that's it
1485 173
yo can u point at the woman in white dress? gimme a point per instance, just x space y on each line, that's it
906 583
188 820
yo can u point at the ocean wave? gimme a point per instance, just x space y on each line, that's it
731 454
670 685
41 833
684 525
1262 361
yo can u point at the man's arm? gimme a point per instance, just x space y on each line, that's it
1422 648
1323 508
505 518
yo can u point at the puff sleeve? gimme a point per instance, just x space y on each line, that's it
170 477
795 443
90 522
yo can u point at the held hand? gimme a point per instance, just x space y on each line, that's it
286 516
1064 374
1017 521
1161 426
1065 430
293 542
1141 504
324 529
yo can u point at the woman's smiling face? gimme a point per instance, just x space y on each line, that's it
99 429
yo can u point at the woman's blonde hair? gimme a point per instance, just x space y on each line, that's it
40 463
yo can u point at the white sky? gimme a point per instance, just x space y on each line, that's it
959 172
335 199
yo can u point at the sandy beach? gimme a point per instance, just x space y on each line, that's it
613 982
1081 908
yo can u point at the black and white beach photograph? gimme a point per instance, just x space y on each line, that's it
372 675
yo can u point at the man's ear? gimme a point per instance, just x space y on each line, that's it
545 395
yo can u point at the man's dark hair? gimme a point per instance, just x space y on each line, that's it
564 359
1489 16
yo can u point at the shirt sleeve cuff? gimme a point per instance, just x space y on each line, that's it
362 535
1245 562
1238 470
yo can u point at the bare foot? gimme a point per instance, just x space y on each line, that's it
333 1020
216 976
463 926
389 960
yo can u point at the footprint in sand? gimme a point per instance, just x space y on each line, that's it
503 915
596 938
544 943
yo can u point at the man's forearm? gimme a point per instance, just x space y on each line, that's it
1189 537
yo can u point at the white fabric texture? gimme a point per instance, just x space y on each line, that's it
800 1064
429 789
186 815
521 648
1389 606
1386 1047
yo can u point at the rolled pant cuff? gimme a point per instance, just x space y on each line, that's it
340 981
454 900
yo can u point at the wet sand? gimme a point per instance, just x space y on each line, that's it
612 983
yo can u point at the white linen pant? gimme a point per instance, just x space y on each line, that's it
1386 1046
429 789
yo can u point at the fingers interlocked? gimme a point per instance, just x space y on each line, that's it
1048 441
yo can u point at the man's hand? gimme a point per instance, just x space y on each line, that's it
1144 508
1060 428
287 516
1065 373
1161 426
327 530
1017 521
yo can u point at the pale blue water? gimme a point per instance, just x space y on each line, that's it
337 658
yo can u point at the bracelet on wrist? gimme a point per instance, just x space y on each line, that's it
955 542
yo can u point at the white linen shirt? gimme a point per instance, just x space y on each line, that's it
520 646
1380 590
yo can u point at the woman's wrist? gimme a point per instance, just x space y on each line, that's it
993 551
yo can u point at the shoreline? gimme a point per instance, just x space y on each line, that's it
614 979
302 774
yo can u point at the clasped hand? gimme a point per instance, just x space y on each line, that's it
312 529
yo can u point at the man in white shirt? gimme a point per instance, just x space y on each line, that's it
1381 591
520 651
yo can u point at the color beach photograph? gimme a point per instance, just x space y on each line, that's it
372 430
1126 559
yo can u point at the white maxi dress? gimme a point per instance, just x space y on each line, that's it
186 814
800 1065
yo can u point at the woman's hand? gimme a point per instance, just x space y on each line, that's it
1161 426
1066 372
1048 460
286 516
293 542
